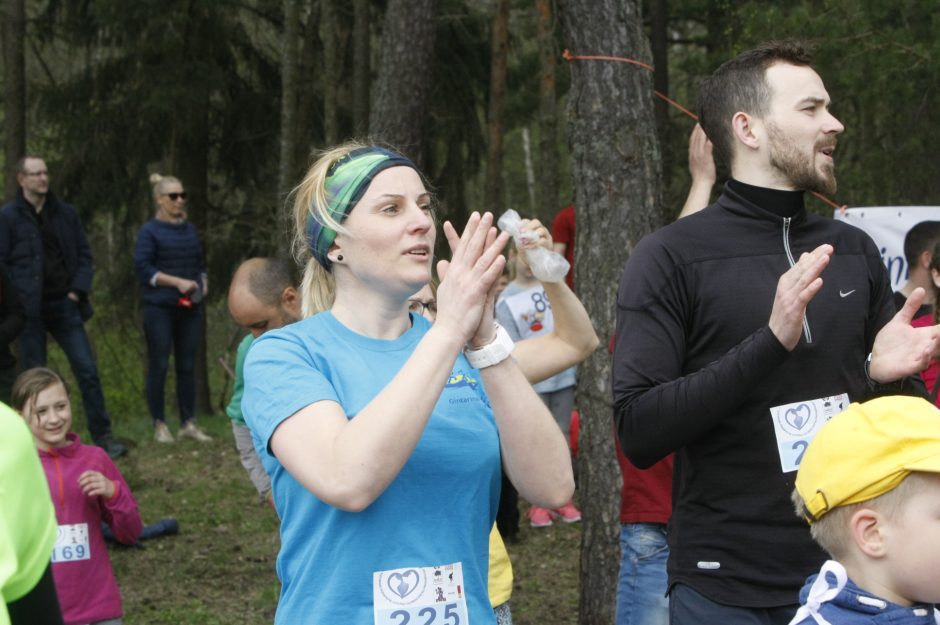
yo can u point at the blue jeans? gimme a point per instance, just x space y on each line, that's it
61 318
641 593
179 330
688 607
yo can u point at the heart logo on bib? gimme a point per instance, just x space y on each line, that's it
403 584
798 417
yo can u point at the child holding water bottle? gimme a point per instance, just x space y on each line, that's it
524 310
86 489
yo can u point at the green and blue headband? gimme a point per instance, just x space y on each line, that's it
346 181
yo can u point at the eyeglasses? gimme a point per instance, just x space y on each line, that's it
36 173
176 196
419 307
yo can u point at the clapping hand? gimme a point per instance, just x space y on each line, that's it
466 293
901 349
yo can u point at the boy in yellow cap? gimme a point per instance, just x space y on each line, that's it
869 485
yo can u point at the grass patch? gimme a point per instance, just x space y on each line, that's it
546 574
220 567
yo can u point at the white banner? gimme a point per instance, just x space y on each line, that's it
888 225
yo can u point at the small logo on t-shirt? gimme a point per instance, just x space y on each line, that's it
459 378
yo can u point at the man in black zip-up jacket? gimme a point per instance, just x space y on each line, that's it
44 247
740 330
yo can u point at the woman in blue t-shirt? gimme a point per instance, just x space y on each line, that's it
383 445
172 273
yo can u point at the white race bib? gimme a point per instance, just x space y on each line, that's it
796 424
71 543
433 595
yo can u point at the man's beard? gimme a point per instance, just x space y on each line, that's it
799 168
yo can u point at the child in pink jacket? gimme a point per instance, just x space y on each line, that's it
86 489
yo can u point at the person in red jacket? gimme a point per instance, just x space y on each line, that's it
86 489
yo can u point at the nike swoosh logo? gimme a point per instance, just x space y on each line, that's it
841 294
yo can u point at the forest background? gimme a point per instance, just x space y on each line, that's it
235 97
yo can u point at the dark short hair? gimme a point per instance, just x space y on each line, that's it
740 85
919 239
268 279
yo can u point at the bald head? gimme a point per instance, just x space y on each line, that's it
262 296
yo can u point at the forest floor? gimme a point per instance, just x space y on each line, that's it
219 569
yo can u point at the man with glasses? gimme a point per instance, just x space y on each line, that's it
44 247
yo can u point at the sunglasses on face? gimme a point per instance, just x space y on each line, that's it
176 196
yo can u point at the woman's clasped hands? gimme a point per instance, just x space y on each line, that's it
466 294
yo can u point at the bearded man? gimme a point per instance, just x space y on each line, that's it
742 329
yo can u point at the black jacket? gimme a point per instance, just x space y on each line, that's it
697 369
12 318
21 250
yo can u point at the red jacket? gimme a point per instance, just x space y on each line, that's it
87 589
646 496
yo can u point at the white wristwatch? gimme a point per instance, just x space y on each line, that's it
491 354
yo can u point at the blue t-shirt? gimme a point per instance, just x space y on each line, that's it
437 511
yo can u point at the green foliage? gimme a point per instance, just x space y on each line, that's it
115 104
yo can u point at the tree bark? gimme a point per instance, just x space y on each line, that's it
659 43
529 170
403 85
329 34
288 147
499 45
362 67
14 89
547 189
308 128
616 168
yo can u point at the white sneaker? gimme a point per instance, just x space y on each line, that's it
161 433
191 431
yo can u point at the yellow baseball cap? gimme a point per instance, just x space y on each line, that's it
867 450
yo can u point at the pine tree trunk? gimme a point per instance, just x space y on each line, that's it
329 34
499 47
547 189
14 89
288 147
616 171
403 85
362 72
659 43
